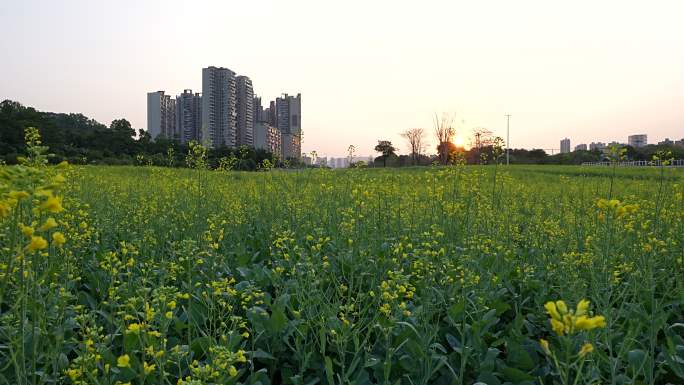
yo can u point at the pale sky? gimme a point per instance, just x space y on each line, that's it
367 70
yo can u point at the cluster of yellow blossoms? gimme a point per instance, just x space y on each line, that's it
30 188
568 321
615 207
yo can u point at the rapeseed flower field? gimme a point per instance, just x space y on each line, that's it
444 275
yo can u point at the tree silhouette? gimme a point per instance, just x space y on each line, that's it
385 147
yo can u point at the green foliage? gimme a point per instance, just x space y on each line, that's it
385 147
81 140
364 276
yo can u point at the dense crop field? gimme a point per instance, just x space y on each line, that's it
416 276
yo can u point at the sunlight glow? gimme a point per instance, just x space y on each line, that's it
460 141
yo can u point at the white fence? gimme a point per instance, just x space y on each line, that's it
639 163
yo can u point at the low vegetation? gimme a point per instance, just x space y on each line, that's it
438 275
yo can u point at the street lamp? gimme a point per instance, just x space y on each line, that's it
508 139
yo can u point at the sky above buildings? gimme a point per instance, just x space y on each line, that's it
367 70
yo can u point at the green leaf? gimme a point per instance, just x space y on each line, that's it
262 354
636 359
278 320
329 370
456 310
516 375
518 357
200 345
488 379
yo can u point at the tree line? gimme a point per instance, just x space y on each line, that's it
487 148
82 140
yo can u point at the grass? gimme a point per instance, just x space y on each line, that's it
401 276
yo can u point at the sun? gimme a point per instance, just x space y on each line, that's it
460 141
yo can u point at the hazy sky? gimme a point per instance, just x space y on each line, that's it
589 70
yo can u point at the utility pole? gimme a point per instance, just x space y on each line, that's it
508 139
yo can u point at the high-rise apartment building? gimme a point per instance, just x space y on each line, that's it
272 113
288 114
258 110
219 107
161 115
289 122
565 146
637 140
581 147
267 137
189 116
245 111
600 146
291 146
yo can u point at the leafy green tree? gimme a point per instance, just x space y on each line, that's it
385 147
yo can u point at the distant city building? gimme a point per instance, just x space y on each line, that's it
291 146
219 107
597 146
267 137
161 115
365 159
338 162
306 160
616 144
565 146
679 143
272 112
226 113
666 142
581 147
322 161
637 140
289 122
288 118
245 111
266 116
188 116
258 110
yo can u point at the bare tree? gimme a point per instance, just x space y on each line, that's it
350 151
415 138
444 132
482 137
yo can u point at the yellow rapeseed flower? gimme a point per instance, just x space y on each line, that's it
240 356
557 326
52 204
564 320
123 361
18 195
586 349
49 224
582 307
147 368
588 323
58 238
37 243
26 230
4 209
551 309
134 328
545 346
562 307
232 371
74 374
